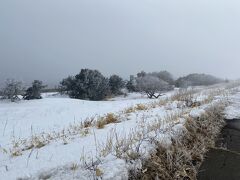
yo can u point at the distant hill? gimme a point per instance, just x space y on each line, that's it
197 80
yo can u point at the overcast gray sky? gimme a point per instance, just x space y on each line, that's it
51 39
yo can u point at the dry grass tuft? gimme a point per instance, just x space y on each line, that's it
141 107
88 122
163 102
183 94
108 119
129 110
111 118
186 96
16 152
101 123
74 166
99 172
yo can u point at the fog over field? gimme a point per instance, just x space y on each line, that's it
49 40
119 89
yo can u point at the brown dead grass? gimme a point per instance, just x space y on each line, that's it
129 110
183 158
141 107
108 119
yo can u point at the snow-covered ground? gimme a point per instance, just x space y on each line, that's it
52 113
81 155
233 110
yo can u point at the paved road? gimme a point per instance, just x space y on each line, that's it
224 164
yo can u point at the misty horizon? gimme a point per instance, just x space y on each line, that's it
52 40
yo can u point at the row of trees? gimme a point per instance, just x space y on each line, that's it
92 85
14 89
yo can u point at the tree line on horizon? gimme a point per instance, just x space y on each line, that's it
92 85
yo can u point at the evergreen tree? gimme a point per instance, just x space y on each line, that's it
34 92
88 84
116 83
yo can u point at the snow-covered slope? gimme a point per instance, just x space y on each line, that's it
70 151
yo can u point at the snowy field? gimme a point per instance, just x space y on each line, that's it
53 113
52 138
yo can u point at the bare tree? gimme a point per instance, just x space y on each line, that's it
152 86
12 89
